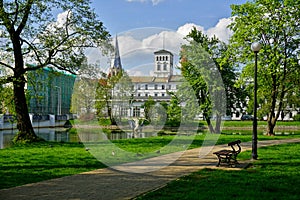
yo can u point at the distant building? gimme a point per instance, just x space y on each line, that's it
50 91
156 86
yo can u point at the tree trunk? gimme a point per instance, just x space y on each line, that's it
110 114
26 132
218 124
210 126
271 124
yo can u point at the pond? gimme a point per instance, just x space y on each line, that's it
87 134
71 135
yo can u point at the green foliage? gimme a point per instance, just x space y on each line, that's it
174 112
276 25
297 117
210 72
147 107
113 94
6 99
31 31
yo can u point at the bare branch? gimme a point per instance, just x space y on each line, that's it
6 65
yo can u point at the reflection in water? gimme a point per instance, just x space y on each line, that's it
71 135
48 134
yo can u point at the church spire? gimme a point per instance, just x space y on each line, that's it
116 66
117 60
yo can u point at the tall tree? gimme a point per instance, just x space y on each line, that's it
113 96
208 69
32 35
276 25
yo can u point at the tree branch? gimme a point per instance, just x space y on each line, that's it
25 17
6 65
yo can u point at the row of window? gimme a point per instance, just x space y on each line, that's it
155 94
164 67
162 58
157 87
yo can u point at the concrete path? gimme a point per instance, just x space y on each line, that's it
111 184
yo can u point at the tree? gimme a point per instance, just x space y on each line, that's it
208 69
84 92
31 35
148 105
276 25
174 111
113 96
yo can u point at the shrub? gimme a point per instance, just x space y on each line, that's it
297 117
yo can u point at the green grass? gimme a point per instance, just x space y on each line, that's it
234 123
21 164
30 163
259 123
274 176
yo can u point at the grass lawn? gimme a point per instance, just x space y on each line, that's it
232 123
274 176
30 163
21 164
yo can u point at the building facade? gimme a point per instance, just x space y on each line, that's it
156 86
50 91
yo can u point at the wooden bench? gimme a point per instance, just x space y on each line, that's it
229 156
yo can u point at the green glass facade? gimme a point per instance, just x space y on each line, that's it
49 91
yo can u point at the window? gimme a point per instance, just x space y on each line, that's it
146 87
166 58
162 87
139 87
155 87
170 87
155 94
163 94
165 67
136 112
146 95
158 67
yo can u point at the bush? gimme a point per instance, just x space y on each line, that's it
297 117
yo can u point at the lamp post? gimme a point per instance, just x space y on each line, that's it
255 47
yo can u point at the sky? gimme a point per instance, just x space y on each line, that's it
144 26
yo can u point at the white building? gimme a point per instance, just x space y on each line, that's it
156 86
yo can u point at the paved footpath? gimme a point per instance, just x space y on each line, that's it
112 184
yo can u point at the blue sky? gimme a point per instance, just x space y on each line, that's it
145 26
122 15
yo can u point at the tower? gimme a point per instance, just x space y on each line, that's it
163 63
117 65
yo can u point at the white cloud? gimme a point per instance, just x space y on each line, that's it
220 30
137 46
154 2
185 29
